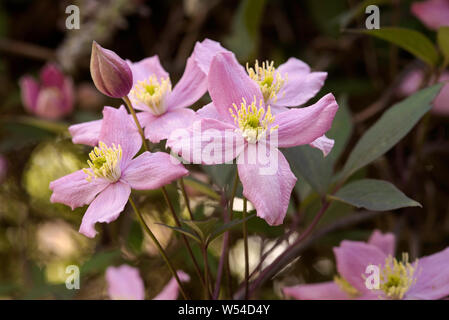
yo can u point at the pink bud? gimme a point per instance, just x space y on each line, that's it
51 97
110 73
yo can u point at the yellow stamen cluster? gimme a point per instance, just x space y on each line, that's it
253 122
397 277
270 81
104 162
346 287
153 94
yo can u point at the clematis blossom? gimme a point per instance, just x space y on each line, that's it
106 185
125 283
290 85
50 98
241 126
413 81
433 13
164 109
426 278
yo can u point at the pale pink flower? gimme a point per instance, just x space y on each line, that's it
125 283
50 98
164 109
106 185
433 13
413 81
290 85
426 278
239 116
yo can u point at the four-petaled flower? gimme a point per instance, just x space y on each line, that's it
106 184
426 278
239 116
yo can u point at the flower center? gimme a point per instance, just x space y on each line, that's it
396 277
104 162
153 94
346 287
253 122
269 81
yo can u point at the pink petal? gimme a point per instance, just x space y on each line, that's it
119 129
171 290
207 141
441 102
29 91
324 144
152 171
352 259
51 76
384 241
74 190
124 283
106 207
146 68
411 82
317 291
267 182
305 125
229 83
301 84
86 133
158 128
191 87
432 277
433 13
193 84
50 104
208 111
205 51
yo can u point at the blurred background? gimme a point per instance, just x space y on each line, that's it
39 239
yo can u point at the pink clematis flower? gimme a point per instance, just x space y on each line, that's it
290 85
433 13
52 98
413 81
164 109
427 278
106 185
125 283
239 116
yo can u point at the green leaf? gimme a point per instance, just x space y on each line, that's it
100 261
443 44
184 231
394 124
376 195
410 40
202 228
227 226
201 187
310 163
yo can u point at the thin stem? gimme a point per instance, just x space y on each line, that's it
271 269
184 238
223 257
159 247
245 240
139 127
186 198
206 273
228 238
164 191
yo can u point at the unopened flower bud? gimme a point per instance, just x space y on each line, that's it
110 73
